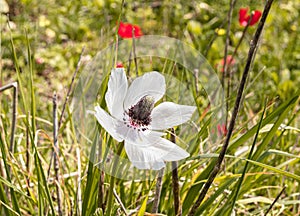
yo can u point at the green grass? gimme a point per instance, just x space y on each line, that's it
40 51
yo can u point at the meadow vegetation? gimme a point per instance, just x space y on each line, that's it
43 44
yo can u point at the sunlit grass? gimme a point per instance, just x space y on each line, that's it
28 183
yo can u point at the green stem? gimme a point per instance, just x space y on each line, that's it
239 184
158 191
112 179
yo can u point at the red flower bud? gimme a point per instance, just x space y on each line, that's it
125 30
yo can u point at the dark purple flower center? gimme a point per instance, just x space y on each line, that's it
140 114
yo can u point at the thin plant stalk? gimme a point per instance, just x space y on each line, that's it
175 181
70 89
253 47
43 187
13 85
65 103
225 69
17 68
14 200
79 199
14 117
240 41
101 189
119 18
158 190
116 34
276 199
175 185
28 156
32 94
213 38
196 74
112 180
56 154
224 74
101 180
129 62
229 17
120 202
134 54
116 51
249 158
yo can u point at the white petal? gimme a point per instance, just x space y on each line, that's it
175 152
108 123
168 114
136 136
116 92
152 152
143 159
152 84
128 133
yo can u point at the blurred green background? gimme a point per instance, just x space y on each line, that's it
58 30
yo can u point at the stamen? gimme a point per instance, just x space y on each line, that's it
140 114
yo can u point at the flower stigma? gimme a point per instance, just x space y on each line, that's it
140 113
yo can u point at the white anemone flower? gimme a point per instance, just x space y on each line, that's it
136 121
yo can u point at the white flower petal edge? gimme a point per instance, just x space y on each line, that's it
108 123
168 114
142 158
174 152
151 84
154 155
137 137
116 92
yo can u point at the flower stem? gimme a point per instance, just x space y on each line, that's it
79 196
276 199
134 55
228 73
112 179
224 74
116 34
119 18
229 16
253 47
101 189
240 41
56 155
158 190
175 184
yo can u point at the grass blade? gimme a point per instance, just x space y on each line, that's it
236 193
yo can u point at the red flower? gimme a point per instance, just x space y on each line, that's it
244 17
125 30
230 61
39 60
222 130
119 65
